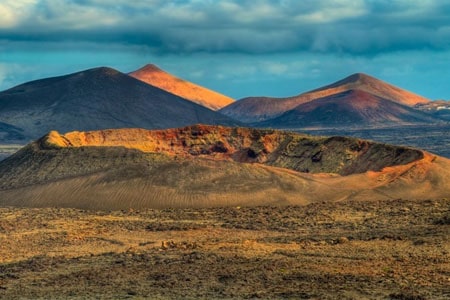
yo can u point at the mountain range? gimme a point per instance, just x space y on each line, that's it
204 166
350 109
93 99
103 139
151 98
357 100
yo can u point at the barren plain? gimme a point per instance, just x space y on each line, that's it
393 249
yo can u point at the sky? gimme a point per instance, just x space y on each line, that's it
239 48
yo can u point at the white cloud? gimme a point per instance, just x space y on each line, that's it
12 12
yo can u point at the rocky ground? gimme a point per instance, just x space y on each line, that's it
433 138
349 250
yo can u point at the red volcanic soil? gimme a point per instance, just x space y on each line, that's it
276 148
208 166
350 108
372 85
254 109
153 75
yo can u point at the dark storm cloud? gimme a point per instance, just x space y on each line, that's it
340 26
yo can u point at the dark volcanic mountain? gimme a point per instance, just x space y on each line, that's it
257 109
205 166
352 108
10 133
153 75
97 99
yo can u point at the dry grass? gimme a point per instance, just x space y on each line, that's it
349 250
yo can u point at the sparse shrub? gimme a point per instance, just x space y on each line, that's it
342 240
406 296
165 245
444 220
173 226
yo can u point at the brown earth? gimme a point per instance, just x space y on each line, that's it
213 166
349 109
289 150
391 249
257 109
372 85
154 76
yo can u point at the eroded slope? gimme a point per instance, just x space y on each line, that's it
275 148
204 166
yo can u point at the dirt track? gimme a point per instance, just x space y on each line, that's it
350 250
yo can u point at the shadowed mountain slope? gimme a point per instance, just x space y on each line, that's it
10 133
153 75
97 99
256 109
199 166
352 108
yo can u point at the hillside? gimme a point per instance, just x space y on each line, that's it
372 85
349 109
154 76
438 108
257 109
10 133
96 99
206 166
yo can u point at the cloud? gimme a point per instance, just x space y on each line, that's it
13 11
360 27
